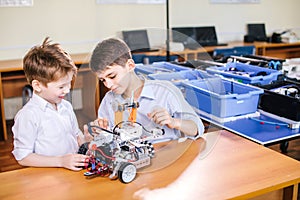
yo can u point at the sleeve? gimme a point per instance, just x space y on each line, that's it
25 131
105 109
180 108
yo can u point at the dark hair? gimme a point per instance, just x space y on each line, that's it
47 63
108 53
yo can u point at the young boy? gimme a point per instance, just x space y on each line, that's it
160 102
46 132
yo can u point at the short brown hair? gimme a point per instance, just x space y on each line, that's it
47 63
109 52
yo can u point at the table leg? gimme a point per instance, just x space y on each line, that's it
291 192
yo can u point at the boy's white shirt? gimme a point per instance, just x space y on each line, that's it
155 93
41 129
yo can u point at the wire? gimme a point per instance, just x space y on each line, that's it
117 125
103 154
269 122
98 127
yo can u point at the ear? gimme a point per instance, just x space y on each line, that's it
36 85
131 64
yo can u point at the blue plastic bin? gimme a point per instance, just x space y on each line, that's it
245 73
159 67
177 77
222 97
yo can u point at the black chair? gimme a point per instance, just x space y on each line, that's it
26 94
146 59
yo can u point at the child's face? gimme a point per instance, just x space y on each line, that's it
56 90
116 78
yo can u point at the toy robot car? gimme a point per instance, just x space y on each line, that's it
119 153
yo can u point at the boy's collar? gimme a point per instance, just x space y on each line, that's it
42 103
147 91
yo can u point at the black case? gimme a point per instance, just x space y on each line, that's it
283 105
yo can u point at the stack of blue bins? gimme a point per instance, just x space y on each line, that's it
170 72
178 77
206 92
158 68
245 73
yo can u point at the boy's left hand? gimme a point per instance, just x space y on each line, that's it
162 117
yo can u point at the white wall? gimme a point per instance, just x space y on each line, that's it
231 19
79 24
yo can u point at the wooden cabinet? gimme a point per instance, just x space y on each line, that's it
278 50
3 136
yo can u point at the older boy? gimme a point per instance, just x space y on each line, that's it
160 102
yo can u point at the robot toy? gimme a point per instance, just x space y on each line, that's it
120 152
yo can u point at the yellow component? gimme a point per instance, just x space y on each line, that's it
118 117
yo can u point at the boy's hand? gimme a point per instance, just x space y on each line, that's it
162 117
86 135
91 129
74 162
101 122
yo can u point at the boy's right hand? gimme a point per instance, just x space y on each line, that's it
75 162
92 129
101 122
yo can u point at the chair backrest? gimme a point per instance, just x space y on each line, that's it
26 93
138 58
223 52
146 59
235 51
244 50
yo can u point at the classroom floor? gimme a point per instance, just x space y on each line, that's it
7 161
